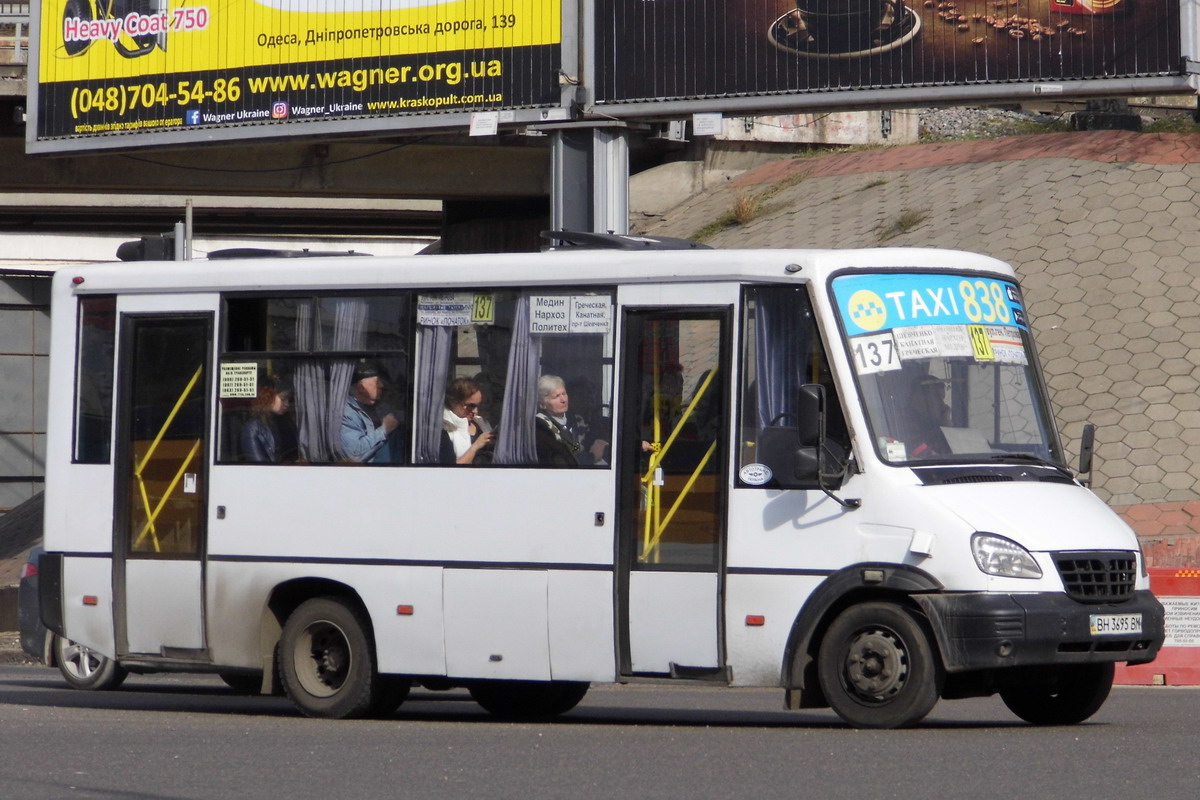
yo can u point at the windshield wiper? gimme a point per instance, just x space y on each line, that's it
1036 459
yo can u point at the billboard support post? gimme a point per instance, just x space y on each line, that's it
590 178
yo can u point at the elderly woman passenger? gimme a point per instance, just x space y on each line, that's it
563 439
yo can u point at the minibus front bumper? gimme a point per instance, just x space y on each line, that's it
980 630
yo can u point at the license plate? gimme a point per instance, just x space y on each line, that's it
1116 624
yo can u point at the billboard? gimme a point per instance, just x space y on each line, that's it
189 69
836 50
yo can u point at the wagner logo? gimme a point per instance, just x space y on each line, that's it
866 310
279 110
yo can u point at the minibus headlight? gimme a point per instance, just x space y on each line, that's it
996 555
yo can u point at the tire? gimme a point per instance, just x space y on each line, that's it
143 43
878 667
77 9
242 682
327 662
528 699
1071 696
392 692
84 668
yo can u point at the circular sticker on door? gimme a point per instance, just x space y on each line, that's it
755 474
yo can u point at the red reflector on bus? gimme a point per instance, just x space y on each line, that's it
755 620
77 280
91 600
29 570
404 611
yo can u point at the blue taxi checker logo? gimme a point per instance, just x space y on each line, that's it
867 310
874 302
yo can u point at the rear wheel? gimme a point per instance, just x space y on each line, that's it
84 668
528 699
1071 695
327 662
878 668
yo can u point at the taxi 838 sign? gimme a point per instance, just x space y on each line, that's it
874 303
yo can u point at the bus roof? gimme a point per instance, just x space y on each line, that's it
554 267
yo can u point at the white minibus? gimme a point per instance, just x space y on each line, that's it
835 472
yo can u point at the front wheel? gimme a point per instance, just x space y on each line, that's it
1070 696
327 662
878 668
84 668
528 699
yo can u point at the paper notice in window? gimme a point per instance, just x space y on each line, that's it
591 314
1007 345
932 341
550 314
239 380
446 310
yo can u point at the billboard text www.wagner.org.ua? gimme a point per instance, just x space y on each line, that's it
107 67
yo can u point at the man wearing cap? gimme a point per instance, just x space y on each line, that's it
366 437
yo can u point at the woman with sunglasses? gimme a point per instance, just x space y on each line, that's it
464 434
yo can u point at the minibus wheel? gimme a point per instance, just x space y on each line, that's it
528 699
84 668
878 668
1075 693
327 663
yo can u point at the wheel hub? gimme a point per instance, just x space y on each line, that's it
876 665
327 654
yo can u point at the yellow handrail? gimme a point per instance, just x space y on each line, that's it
687 487
687 413
170 418
655 526
138 469
153 515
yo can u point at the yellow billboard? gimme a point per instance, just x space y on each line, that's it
119 66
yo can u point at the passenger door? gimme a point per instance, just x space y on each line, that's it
161 485
673 494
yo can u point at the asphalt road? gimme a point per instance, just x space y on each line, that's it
190 737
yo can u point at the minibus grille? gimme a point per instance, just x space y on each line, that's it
1097 577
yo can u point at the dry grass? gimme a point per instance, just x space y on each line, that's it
746 207
908 219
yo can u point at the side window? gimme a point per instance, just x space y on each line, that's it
782 350
514 378
315 380
94 370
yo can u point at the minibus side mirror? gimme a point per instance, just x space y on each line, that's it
1087 452
812 454
810 429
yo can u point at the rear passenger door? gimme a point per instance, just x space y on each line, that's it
161 484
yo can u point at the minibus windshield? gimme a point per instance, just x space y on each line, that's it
945 368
